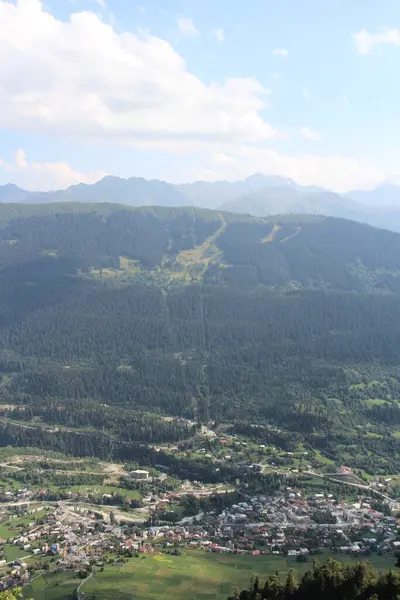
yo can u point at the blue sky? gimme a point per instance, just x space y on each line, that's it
185 90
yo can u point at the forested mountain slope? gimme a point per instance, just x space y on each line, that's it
128 314
259 195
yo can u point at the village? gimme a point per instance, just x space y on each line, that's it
72 534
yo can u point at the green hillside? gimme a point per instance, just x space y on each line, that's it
131 314
195 575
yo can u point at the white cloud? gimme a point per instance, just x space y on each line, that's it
306 93
280 52
220 35
365 42
346 100
186 26
307 134
101 3
45 176
338 173
80 78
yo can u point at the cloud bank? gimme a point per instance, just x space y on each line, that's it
82 79
45 176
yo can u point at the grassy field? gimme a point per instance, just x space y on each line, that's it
10 528
6 532
102 489
14 552
196 575
55 586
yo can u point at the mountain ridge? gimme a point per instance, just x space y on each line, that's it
258 195
192 244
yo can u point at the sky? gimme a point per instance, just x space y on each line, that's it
183 90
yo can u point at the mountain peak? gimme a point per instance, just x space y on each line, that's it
11 186
260 179
259 195
12 193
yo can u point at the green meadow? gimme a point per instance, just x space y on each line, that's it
195 575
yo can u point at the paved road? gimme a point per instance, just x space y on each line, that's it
81 594
356 485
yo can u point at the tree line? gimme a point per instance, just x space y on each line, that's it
331 580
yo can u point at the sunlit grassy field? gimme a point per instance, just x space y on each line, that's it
195 575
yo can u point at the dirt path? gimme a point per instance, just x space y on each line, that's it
203 254
14 467
271 236
78 591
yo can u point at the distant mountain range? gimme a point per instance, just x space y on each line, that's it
258 195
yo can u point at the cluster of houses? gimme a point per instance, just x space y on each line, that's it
291 522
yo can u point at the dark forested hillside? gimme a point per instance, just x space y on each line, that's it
259 195
330 579
131 314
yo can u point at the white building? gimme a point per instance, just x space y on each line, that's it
139 474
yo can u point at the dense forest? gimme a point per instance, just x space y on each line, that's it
330 580
112 318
